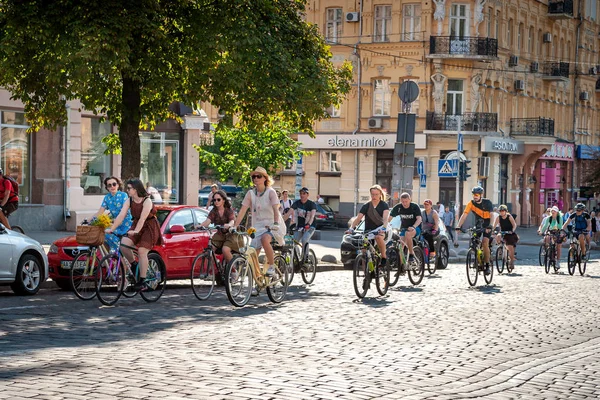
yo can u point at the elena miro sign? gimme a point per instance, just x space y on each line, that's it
348 141
502 145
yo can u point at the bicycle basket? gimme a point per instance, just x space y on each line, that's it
89 235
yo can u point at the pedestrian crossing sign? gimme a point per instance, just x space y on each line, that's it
447 168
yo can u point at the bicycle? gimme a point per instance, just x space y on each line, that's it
367 266
397 256
15 228
475 258
205 267
424 245
114 275
301 259
83 276
575 257
502 256
244 271
551 254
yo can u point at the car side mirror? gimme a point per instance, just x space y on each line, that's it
177 229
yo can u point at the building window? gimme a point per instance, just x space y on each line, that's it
14 151
591 9
382 97
95 165
334 25
459 24
497 25
509 32
383 23
454 97
488 31
520 37
160 163
530 40
411 26
384 171
333 111
331 161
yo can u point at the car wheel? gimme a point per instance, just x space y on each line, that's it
29 276
442 256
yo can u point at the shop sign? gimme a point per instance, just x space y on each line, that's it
502 145
560 151
586 152
348 141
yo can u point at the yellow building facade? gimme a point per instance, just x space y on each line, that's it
518 80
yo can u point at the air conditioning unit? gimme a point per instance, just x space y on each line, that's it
483 166
513 61
547 37
519 84
584 96
352 17
375 123
535 67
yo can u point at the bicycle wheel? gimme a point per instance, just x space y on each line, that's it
83 275
488 277
548 258
239 281
17 228
431 266
203 276
309 270
572 260
131 277
278 283
393 261
542 255
382 279
510 266
416 270
500 261
111 279
583 263
472 267
156 279
361 276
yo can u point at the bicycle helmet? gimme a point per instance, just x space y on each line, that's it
477 190
580 207
503 208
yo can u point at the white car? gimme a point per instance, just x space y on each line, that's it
23 262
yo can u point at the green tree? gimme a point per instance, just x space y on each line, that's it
243 148
130 59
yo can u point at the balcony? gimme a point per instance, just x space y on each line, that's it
560 9
555 71
467 122
532 127
465 47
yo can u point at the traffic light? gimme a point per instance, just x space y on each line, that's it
464 169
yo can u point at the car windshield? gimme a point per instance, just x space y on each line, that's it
326 208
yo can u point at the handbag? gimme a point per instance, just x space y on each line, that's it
89 235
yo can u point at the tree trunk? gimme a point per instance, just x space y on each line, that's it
129 131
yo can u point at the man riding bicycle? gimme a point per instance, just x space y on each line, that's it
581 227
410 217
304 211
507 223
9 201
553 223
482 208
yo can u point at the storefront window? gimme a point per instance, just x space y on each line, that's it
331 161
95 165
14 151
160 163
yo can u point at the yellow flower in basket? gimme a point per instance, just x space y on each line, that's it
102 221
251 231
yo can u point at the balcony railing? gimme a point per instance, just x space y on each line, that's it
465 46
560 9
555 70
469 122
532 126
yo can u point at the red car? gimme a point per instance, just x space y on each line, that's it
182 243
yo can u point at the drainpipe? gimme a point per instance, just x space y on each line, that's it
575 94
358 103
67 186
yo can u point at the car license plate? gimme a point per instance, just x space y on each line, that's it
67 264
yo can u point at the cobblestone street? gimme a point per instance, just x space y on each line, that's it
529 335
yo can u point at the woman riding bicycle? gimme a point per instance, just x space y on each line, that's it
553 223
145 230
113 203
507 224
430 226
266 218
222 214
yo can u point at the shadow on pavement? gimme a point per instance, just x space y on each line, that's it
493 289
375 302
407 289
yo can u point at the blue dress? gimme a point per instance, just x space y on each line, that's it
114 204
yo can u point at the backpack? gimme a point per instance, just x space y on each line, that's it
14 183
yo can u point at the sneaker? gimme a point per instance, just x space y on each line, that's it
270 270
411 258
139 286
234 276
254 292
383 262
432 257
488 270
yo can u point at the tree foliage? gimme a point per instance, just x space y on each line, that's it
130 59
243 148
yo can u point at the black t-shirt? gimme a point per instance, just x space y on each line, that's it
302 210
369 223
408 216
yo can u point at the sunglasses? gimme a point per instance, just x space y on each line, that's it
257 176
112 184
217 199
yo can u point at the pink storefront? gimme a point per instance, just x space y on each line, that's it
553 173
